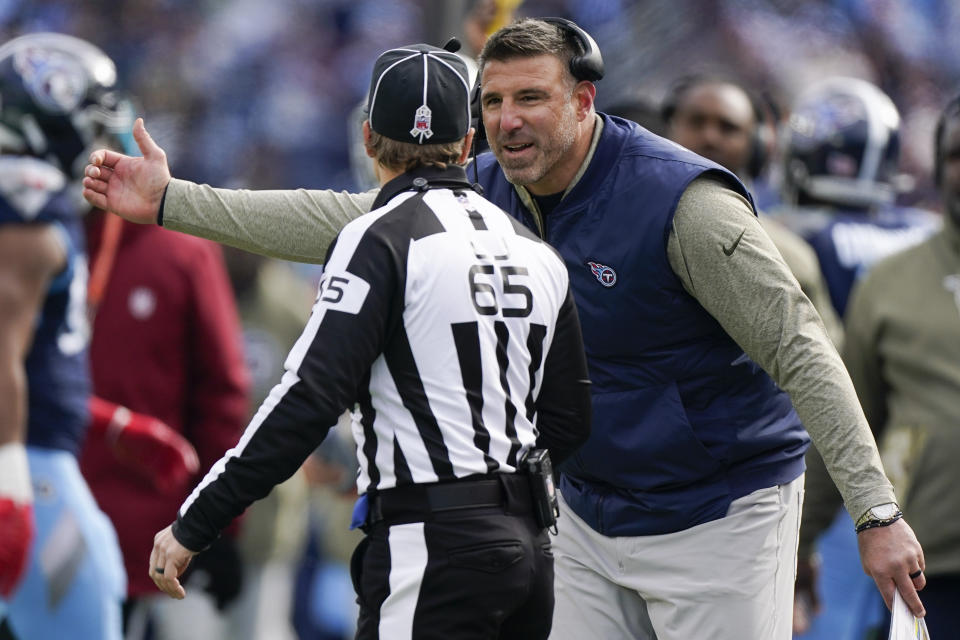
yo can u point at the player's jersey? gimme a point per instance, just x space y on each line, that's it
34 192
847 244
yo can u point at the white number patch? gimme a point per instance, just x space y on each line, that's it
342 292
75 335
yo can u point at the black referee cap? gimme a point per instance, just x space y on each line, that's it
420 94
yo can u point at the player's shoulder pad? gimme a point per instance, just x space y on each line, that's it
27 188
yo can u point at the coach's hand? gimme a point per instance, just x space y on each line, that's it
890 555
168 561
130 187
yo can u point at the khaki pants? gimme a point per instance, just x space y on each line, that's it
730 579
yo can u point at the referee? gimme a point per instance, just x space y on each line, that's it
450 330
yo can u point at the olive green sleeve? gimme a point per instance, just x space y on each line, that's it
292 225
729 264
805 267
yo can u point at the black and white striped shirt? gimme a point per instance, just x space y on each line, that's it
450 330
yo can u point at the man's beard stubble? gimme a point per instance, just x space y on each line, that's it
549 152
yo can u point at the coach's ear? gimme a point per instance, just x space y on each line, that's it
467 145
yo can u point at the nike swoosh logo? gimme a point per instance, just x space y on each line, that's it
729 251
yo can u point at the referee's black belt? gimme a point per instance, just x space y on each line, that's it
425 502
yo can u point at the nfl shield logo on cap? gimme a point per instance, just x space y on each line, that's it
421 123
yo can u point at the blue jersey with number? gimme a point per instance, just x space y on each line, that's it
848 243
33 192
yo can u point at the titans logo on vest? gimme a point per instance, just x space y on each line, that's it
606 275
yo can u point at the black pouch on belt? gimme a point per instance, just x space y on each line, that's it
538 469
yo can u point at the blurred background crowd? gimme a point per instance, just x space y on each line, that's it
257 93
252 94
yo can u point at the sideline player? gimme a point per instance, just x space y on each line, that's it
55 99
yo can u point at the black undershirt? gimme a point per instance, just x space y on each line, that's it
547 203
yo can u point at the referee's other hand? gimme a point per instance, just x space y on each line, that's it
168 561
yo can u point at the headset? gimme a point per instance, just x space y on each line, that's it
759 139
587 65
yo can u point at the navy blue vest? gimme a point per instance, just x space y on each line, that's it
683 421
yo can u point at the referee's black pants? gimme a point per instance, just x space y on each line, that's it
472 574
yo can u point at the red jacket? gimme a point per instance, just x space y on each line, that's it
166 342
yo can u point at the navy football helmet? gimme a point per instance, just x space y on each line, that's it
842 145
58 100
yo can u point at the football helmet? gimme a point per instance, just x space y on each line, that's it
842 145
58 100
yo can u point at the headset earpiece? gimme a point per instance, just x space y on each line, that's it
589 64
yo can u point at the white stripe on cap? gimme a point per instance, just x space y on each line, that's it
376 88
463 81
417 131
426 74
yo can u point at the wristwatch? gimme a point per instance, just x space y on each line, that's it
882 515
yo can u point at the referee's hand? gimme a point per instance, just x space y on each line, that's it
894 559
168 561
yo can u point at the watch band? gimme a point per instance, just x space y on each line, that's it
869 521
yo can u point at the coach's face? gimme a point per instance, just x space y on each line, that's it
950 187
536 115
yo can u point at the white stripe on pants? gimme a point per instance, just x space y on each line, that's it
408 554
729 579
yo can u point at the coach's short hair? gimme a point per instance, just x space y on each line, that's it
529 38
